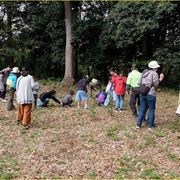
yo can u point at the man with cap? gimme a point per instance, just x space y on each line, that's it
95 85
11 86
5 73
132 81
149 78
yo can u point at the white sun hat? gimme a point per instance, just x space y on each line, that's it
153 64
15 70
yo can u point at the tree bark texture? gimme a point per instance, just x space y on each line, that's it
68 79
9 33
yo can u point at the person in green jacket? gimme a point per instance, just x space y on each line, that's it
132 82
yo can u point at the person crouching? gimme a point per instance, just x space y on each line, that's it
45 97
67 99
101 97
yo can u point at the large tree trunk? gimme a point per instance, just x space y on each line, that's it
68 79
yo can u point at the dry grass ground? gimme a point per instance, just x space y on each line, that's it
94 143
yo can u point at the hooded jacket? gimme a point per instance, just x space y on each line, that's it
82 85
150 79
120 85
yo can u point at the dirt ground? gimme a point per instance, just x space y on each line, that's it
95 143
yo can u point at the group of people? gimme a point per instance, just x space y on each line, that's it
26 88
143 92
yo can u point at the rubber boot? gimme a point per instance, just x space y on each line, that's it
135 113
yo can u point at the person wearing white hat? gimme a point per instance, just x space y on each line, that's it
151 80
153 65
11 84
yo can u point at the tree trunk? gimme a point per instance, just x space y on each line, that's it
146 48
9 33
68 79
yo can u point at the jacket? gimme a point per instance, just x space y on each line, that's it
12 80
6 74
101 97
48 95
82 85
120 85
67 98
133 78
150 79
113 79
24 88
1 84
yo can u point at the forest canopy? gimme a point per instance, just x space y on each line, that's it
104 34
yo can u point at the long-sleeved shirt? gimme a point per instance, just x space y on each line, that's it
48 95
133 78
36 87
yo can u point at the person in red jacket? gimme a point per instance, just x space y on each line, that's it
120 89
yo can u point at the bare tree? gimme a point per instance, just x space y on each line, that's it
68 79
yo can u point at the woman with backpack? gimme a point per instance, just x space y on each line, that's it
149 82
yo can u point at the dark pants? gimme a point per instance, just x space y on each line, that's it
67 104
149 102
35 100
134 99
10 105
3 93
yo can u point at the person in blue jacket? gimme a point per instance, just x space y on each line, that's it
11 86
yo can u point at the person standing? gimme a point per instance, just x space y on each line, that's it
6 72
149 78
25 98
119 88
81 94
11 86
111 94
36 89
132 82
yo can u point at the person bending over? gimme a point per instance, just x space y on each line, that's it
45 97
81 94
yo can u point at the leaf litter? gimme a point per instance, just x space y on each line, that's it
74 144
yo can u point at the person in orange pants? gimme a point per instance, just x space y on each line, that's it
25 98
24 114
